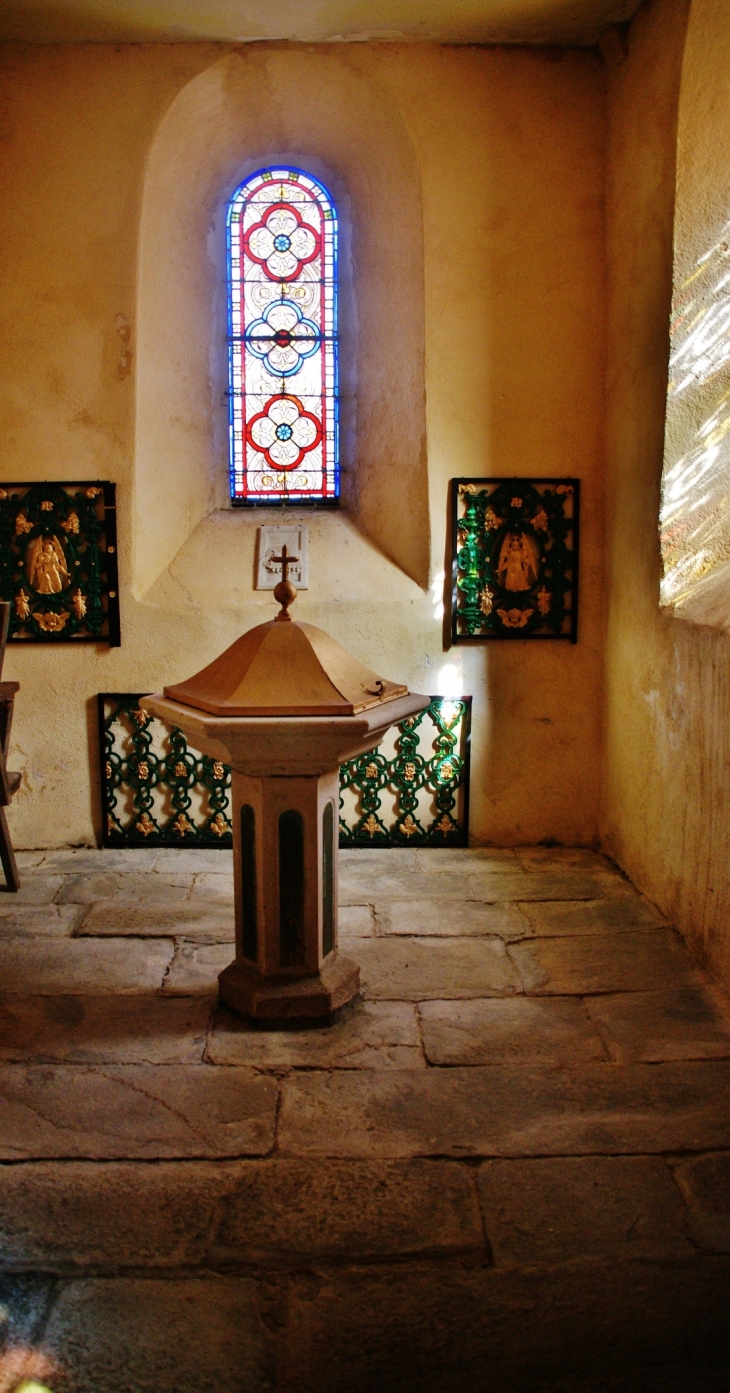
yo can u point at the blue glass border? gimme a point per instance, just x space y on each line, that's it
291 500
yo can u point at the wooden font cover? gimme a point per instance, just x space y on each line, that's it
285 669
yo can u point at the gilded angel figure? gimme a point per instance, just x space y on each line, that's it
517 566
45 566
78 602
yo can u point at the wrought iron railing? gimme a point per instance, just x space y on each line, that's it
157 791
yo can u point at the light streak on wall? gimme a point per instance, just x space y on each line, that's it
695 517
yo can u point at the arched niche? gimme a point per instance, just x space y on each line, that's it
253 107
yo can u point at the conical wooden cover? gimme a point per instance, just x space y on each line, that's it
285 669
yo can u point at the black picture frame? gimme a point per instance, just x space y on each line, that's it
514 559
58 561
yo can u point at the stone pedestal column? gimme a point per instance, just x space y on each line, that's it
285 875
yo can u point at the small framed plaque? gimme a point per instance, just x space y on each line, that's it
514 559
270 543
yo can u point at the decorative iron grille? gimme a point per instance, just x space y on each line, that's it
514 559
413 790
58 562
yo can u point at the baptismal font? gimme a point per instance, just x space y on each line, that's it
285 705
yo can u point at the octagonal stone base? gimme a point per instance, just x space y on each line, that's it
282 998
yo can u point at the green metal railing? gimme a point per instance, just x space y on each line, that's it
157 791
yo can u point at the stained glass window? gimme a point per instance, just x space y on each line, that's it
282 329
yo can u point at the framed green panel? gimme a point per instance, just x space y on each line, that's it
58 562
514 559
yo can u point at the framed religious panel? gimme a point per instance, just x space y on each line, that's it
514 559
58 562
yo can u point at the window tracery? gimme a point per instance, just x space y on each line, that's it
282 323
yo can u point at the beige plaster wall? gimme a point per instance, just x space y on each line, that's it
665 807
497 158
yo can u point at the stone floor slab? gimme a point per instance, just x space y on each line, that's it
102 1029
83 860
470 918
371 1035
436 1328
34 889
131 1214
149 1336
415 969
549 884
291 1211
705 1183
198 861
147 888
554 918
510 1111
611 1208
691 1022
375 859
356 921
194 969
29 860
562 857
510 1030
632 961
50 966
39 921
89 886
115 1214
360 884
484 858
127 1112
212 888
121 919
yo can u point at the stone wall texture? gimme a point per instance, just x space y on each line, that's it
665 801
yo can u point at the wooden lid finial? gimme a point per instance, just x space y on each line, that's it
285 592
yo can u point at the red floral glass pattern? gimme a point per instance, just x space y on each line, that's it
282 247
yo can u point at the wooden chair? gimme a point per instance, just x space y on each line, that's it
8 781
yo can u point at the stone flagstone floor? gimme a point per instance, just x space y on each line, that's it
506 1168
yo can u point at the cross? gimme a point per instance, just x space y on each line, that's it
285 561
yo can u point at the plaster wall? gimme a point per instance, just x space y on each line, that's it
665 807
492 161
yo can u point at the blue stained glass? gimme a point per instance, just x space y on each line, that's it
282 339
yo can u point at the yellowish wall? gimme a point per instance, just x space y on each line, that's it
666 805
501 154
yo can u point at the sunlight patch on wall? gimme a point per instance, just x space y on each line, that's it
695 516
450 681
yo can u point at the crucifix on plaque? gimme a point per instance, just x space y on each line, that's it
285 592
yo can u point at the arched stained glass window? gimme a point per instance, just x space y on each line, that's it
282 327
